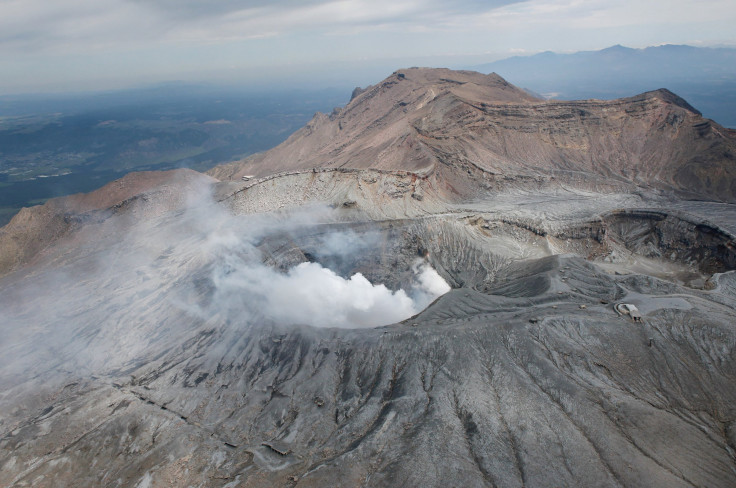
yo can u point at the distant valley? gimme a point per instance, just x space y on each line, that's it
58 145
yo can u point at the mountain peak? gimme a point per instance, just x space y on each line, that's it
435 121
617 48
413 88
668 96
378 126
704 76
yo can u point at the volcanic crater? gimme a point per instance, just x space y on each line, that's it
139 347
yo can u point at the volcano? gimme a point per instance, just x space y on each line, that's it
159 331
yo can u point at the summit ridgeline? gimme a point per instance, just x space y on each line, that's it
425 120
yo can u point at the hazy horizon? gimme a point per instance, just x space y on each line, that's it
80 45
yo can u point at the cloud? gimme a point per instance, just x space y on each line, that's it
597 14
121 42
85 24
140 286
75 25
430 282
196 9
251 282
140 20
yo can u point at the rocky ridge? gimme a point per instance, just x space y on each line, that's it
447 122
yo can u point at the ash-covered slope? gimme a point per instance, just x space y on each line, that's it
133 359
429 120
34 229
175 330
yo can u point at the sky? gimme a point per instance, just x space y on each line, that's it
76 45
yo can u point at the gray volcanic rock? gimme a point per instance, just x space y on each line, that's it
154 342
513 384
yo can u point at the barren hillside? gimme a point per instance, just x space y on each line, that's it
426 120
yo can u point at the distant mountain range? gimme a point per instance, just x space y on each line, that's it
705 77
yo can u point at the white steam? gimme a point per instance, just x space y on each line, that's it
429 281
248 290
312 294
136 286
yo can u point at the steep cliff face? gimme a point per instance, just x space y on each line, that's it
426 120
